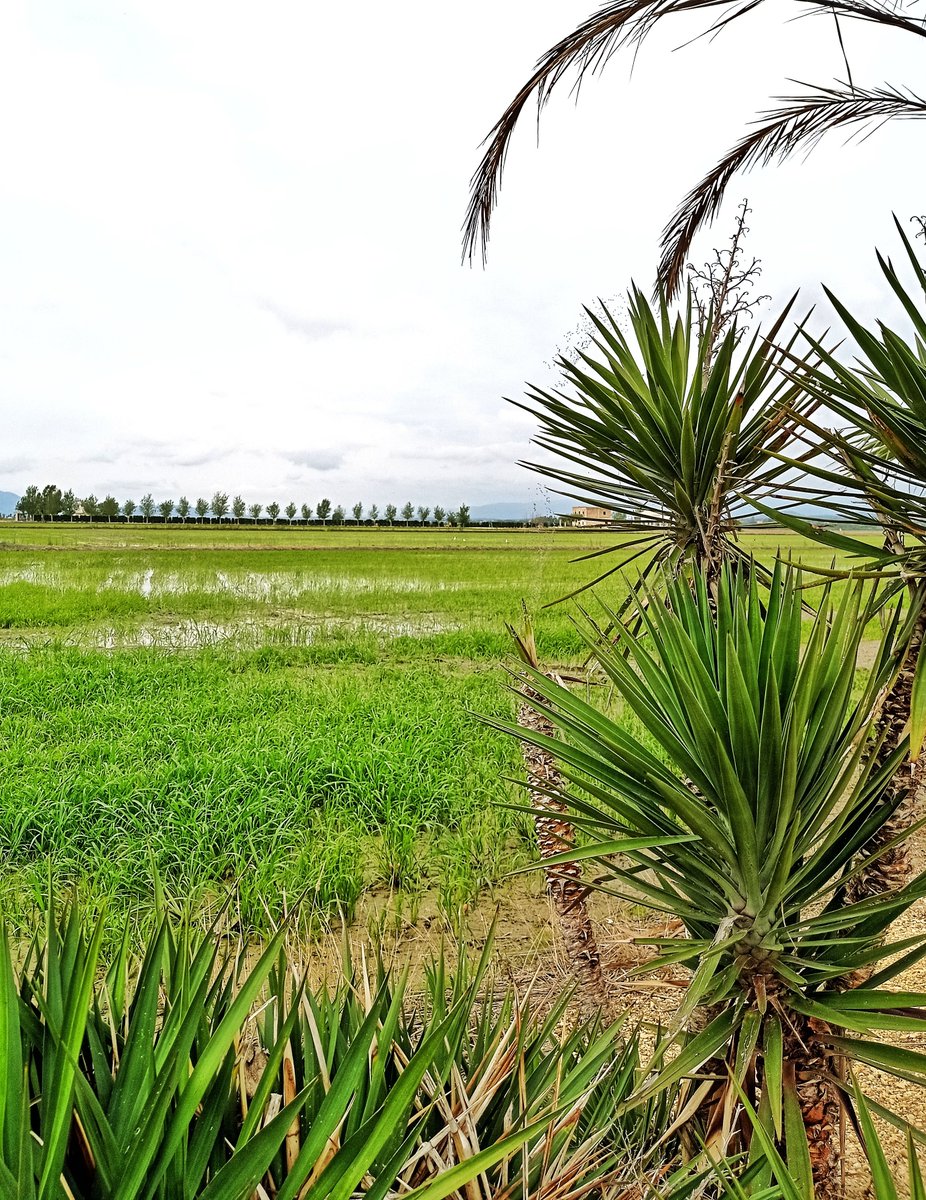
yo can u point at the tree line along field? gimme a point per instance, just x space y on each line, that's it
50 503
289 717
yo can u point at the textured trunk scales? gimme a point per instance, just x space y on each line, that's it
809 1067
555 834
806 1054
891 868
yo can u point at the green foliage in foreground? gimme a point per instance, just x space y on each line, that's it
187 1074
751 798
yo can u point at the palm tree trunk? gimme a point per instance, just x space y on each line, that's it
809 1069
555 833
891 869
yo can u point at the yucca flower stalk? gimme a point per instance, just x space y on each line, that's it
757 798
671 426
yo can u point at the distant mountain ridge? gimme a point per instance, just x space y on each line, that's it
8 502
505 511
524 511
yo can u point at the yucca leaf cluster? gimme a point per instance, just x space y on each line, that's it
750 785
196 1071
880 401
669 426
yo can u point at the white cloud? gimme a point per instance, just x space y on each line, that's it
231 231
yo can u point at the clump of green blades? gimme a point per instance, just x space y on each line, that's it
741 809
132 1083
670 428
882 399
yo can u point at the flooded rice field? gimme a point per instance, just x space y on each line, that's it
251 585
270 719
247 633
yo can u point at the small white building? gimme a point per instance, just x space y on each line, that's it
591 515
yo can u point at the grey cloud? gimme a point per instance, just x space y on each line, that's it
313 329
151 451
469 455
98 456
18 463
316 460
199 459
132 448
193 457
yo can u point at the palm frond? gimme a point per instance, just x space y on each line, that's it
589 48
876 12
799 123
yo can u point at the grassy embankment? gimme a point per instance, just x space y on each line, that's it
285 711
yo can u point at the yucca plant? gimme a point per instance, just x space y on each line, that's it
554 833
671 427
189 1075
522 1066
130 1085
881 452
755 793
510 1068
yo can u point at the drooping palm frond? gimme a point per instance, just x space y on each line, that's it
669 428
798 124
588 50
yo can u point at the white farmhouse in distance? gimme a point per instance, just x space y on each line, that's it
591 514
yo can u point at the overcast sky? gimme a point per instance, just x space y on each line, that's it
231 247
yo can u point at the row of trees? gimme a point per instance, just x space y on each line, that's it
50 503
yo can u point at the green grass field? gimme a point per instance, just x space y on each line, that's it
287 713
